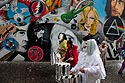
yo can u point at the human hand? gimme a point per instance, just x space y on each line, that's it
62 59
71 73
59 49
70 59
82 70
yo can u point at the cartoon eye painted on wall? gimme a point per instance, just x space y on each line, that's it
19 15
18 18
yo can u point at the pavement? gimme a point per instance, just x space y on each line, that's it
112 68
44 72
27 72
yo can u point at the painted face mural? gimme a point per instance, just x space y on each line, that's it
89 20
38 23
39 35
15 43
117 7
21 37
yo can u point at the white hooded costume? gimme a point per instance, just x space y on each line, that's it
89 59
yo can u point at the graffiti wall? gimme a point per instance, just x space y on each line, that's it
29 29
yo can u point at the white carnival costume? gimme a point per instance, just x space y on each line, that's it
90 60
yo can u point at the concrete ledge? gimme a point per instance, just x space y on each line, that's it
27 72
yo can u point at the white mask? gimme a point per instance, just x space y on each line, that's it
90 47
84 46
60 37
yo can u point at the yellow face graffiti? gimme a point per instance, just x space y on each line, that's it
89 20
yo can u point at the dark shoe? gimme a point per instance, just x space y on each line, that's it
120 73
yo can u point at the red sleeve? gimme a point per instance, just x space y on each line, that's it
75 53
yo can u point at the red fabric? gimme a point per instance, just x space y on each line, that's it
72 52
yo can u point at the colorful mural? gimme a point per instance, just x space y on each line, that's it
29 29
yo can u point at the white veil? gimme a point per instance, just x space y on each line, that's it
92 49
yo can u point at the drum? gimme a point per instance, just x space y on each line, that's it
55 58
62 69
52 59
71 79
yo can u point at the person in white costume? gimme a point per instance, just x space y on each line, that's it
90 65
